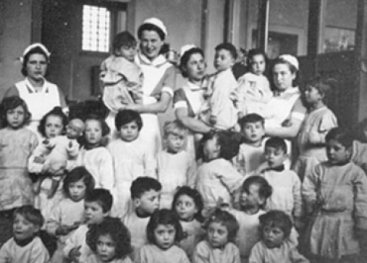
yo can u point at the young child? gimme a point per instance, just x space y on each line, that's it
219 245
145 197
97 206
254 193
110 242
275 227
318 121
335 193
16 146
253 87
94 156
25 245
164 231
188 204
130 156
217 178
251 153
175 166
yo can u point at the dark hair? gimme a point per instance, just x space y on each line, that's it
164 217
116 230
229 47
144 184
265 189
150 27
292 69
123 39
104 127
254 52
35 50
277 143
226 219
126 116
57 111
276 218
186 57
10 103
194 195
102 196
251 118
76 174
30 213
323 85
340 135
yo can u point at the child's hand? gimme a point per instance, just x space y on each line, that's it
74 254
39 159
287 123
213 119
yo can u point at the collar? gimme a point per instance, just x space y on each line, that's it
156 62
23 243
141 215
193 87
31 89
287 93
276 169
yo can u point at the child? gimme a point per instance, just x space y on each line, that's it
318 121
163 231
254 89
130 156
275 227
110 242
251 153
359 149
25 245
175 166
145 197
217 178
219 245
254 193
188 204
16 146
335 193
94 156
97 205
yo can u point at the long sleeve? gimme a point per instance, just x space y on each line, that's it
297 210
191 173
39 254
256 255
149 165
360 199
54 220
229 176
201 254
105 171
309 188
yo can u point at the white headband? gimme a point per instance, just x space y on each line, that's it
33 46
158 23
186 48
291 60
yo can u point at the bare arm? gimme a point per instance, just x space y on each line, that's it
191 123
157 107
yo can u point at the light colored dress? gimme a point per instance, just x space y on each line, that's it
16 147
174 170
193 232
78 238
152 254
339 193
359 154
137 227
204 253
311 139
249 158
94 259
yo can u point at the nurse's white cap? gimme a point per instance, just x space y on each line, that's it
186 48
291 60
158 23
34 45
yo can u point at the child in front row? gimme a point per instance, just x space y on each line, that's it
110 242
275 246
97 206
175 166
25 245
164 231
219 245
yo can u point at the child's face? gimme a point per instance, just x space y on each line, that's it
129 132
148 202
312 95
250 198
185 207
175 142
211 149
337 152
273 236
93 132
53 126
75 129
93 213
105 248
23 229
223 60
217 234
77 190
15 117
274 157
127 52
253 131
164 236
258 64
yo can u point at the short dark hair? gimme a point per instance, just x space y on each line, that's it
229 47
30 213
35 50
195 196
102 196
151 27
105 129
225 218
10 103
144 184
116 230
251 118
123 39
265 189
186 57
164 217
277 143
324 86
76 174
56 111
276 218
340 135
254 52
126 116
